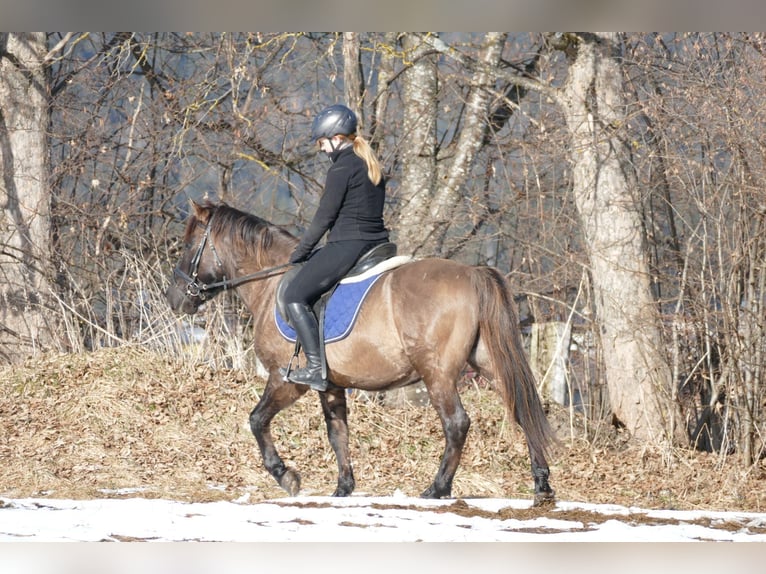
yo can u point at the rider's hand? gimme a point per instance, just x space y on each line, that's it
297 257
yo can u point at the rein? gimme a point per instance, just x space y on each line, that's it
194 288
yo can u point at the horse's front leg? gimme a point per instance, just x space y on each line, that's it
276 396
335 416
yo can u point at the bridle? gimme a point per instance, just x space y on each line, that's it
205 291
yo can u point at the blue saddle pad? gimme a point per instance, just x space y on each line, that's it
340 314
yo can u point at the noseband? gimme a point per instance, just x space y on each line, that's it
205 291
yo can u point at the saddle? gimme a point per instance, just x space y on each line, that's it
378 259
367 261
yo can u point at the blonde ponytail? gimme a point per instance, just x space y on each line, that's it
363 150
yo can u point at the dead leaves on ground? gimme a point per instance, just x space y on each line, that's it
93 424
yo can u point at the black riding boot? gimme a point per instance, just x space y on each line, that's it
306 328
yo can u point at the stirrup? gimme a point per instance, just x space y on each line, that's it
317 383
285 371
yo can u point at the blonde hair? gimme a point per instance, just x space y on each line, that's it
363 150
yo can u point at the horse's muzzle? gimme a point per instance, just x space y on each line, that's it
180 302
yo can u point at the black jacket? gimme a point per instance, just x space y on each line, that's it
351 206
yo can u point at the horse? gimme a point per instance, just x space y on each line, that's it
426 320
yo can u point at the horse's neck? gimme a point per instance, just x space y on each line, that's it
258 292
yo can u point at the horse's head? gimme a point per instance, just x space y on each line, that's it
199 275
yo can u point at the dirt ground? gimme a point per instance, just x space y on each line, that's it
129 422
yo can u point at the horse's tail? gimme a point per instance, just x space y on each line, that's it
499 329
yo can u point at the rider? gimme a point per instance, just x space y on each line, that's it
351 210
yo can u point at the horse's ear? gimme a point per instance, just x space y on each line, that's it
199 211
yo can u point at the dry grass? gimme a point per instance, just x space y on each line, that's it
88 425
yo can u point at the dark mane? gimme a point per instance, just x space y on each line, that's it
248 233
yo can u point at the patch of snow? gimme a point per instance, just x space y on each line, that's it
360 519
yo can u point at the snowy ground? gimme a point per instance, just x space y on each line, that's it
362 519
341 536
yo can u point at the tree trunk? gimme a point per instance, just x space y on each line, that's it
418 153
549 352
433 198
353 80
378 128
605 191
471 139
24 196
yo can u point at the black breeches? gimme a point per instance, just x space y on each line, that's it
324 269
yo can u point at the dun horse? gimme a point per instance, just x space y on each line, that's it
426 320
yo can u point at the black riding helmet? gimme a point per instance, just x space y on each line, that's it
337 119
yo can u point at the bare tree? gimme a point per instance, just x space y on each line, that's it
433 187
606 193
515 150
417 146
698 150
353 79
26 322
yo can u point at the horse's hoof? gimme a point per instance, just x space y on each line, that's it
291 482
433 492
344 488
544 499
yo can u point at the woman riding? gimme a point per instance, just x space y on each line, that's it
350 211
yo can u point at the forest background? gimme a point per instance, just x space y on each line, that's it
616 179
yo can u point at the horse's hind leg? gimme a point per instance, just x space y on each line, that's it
335 416
276 397
455 423
544 494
